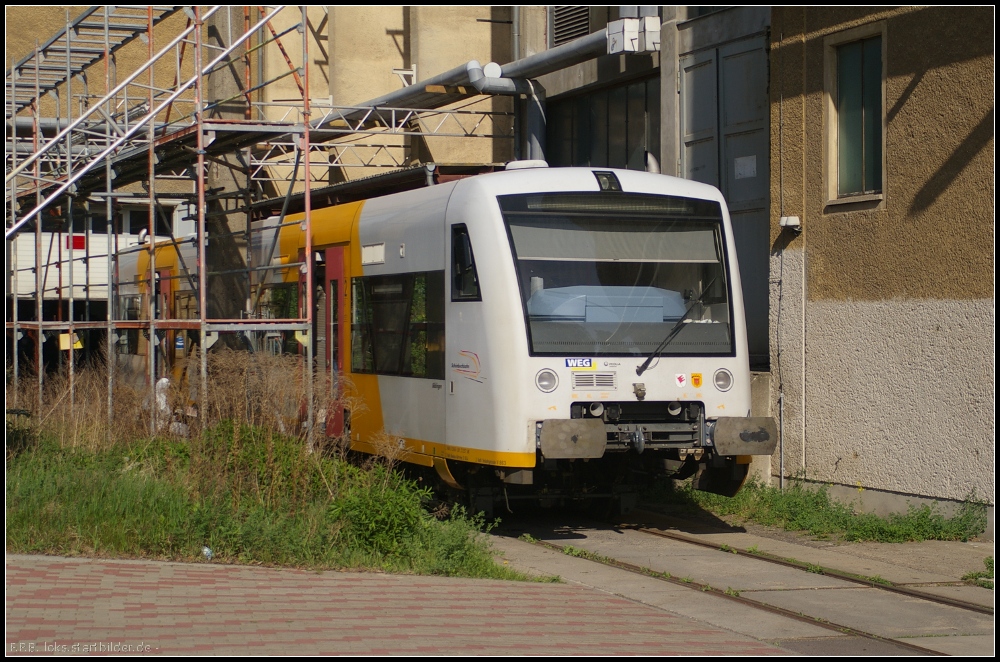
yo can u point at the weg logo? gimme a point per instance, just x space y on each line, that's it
578 364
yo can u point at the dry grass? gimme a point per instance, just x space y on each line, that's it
258 390
79 418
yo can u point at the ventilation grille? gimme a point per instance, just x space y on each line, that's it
594 381
569 23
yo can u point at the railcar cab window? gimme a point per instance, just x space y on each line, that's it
397 325
612 274
464 278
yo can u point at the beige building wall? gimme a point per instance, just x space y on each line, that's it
445 37
272 65
28 26
284 93
882 311
367 43
44 21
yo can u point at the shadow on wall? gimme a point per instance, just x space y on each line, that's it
975 142
958 35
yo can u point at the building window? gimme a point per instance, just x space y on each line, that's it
616 127
139 220
859 117
855 75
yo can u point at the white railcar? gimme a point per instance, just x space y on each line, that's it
545 330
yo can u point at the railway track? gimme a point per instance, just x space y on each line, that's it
736 597
880 584
894 633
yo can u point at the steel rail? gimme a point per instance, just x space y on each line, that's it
756 604
815 569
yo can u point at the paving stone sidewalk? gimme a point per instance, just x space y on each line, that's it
58 605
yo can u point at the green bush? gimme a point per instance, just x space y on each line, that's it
19 434
381 515
982 578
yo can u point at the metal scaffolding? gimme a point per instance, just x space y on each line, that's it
74 158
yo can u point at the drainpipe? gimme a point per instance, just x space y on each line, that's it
516 37
536 121
781 441
516 48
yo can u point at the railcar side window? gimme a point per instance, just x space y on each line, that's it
464 279
397 325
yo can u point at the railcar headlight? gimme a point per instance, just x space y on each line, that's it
546 381
723 379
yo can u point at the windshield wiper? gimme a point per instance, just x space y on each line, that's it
674 330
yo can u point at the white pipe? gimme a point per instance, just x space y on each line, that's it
781 441
486 85
560 57
416 96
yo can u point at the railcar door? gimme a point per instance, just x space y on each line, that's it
335 342
164 310
328 335
471 420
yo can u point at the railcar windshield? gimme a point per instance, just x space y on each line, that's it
613 274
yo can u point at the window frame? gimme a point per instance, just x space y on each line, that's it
831 46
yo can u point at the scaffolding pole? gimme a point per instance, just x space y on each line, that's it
140 129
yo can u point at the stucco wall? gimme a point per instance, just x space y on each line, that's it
367 43
28 25
446 37
883 311
899 395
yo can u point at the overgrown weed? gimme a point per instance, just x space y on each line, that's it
982 578
804 507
